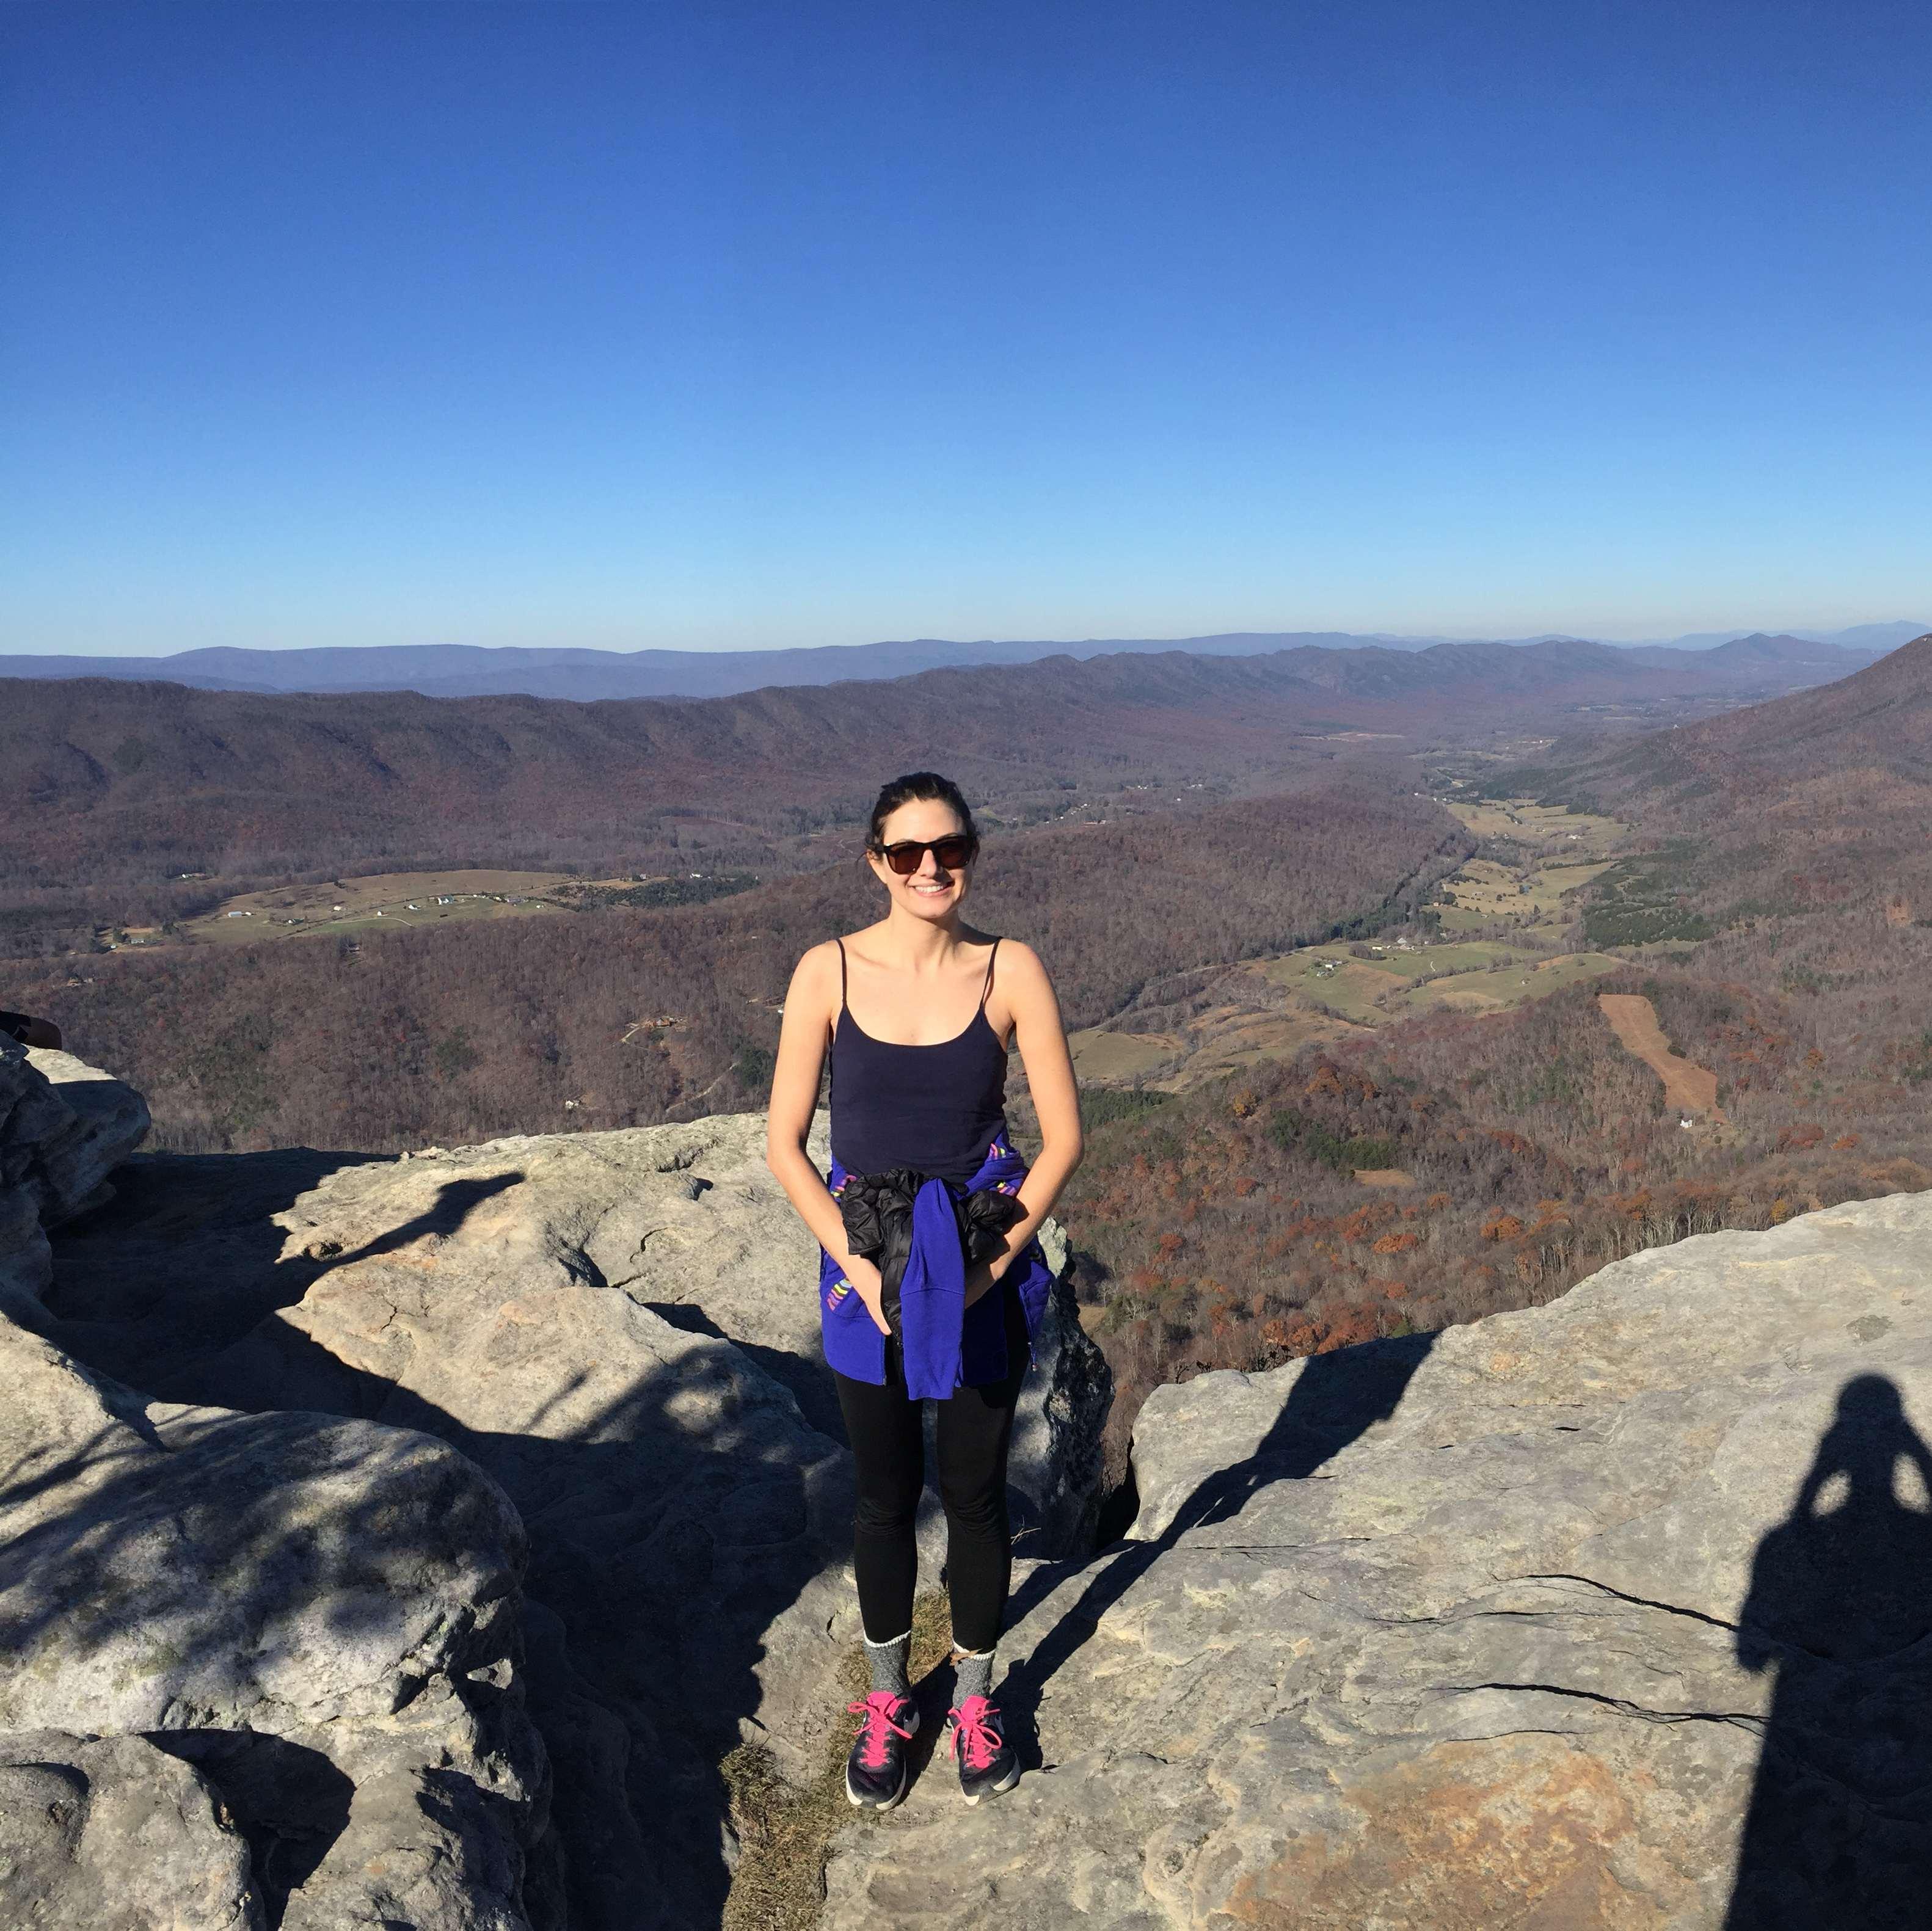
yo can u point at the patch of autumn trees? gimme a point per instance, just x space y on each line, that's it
1225 1228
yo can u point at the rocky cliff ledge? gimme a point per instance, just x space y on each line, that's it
403 1542
446 1519
1611 1613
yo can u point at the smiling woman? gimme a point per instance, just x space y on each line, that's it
931 1283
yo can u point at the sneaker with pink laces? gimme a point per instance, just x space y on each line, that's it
875 1766
986 1761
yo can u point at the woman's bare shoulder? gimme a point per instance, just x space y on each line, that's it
817 971
1017 956
857 945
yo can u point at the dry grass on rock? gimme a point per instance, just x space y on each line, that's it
784 1830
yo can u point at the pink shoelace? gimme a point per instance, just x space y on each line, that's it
877 1710
973 1734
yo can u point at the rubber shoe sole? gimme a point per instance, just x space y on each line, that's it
859 1802
1005 1783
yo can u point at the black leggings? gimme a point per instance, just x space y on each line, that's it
886 1432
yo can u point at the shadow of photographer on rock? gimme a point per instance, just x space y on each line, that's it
1839 1831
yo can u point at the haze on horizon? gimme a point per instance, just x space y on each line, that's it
755 327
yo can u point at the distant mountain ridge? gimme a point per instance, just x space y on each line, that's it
114 784
584 675
1878 718
1819 800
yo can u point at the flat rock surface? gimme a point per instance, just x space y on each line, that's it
112 1834
1613 1613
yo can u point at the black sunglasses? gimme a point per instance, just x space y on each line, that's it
952 851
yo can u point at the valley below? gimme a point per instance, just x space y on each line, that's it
1500 930
1382 1023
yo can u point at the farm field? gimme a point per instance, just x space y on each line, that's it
1269 1009
1101 1058
1223 1039
398 897
1512 980
1687 1086
1359 989
1525 820
1485 891
1568 850
395 898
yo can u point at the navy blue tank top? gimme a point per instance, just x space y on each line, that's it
933 1108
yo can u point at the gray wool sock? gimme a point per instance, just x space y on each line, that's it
886 1663
972 1674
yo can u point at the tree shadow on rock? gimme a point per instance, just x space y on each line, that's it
185 1259
1337 1397
1839 1829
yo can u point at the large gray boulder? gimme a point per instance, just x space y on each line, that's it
1613 1613
687 1525
254 1668
296 1605
622 1329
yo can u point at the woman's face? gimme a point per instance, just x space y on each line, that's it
932 892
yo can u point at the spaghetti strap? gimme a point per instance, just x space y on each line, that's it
841 944
988 987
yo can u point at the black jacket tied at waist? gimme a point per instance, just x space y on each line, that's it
892 1219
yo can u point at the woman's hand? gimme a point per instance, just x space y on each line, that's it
982 1275
868 1284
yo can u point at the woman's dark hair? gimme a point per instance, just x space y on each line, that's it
919 785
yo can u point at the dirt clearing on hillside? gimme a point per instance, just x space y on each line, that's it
1686 1084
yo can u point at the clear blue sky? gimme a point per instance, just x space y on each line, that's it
723 326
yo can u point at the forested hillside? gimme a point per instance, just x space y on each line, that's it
1226 1228
1811 802
1783 885
613 1017
116 789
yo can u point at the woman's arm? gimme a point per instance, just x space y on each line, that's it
1042 1040
810 1002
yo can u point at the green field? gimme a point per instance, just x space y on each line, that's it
1473 975
385 902
1520 980
1331 976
